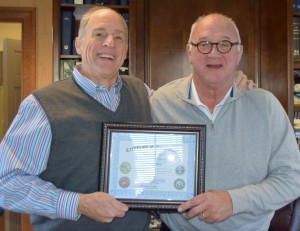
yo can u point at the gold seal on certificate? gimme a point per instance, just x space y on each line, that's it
152 165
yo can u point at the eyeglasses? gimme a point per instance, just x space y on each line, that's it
223 46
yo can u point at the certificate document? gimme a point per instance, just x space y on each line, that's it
153 166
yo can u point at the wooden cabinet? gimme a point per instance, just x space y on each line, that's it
129 9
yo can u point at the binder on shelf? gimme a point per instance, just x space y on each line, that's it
296 6
296 37
67 32
78 1
296 75
67 1
125 2
125 16
105 2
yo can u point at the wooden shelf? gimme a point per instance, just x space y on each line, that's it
73 6
297 63
296 107
70 56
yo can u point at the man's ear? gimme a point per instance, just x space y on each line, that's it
240 54
126 52
78 45
188 51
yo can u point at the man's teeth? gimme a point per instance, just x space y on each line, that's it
107 56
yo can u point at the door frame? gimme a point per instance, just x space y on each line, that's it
27 17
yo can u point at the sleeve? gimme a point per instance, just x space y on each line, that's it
282 184
24 153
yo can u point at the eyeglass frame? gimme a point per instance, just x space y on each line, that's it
212 44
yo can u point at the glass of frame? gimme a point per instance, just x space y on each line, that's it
155 166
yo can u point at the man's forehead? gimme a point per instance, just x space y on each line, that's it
107 18
109 29
106 13
223 28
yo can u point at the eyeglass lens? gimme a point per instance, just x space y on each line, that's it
223 47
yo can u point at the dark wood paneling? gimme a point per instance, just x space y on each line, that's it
264 29
275 70
168 31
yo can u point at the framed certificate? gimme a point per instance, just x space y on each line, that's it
152 165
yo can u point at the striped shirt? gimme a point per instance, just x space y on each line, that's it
24 153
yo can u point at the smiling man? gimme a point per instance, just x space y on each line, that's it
252 159
50 156
102 43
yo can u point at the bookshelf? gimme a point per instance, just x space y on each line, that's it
296 67
63 62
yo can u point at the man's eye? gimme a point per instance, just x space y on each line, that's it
203 44
224 44
100 35
119 38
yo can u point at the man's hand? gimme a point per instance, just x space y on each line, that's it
101 207
211 206
242 82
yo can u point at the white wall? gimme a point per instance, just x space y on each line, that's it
13 31
10 30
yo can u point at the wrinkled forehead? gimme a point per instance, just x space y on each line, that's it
215 27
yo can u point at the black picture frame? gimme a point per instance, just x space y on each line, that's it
153 166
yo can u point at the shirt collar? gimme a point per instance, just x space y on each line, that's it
203 107
89 86
198 102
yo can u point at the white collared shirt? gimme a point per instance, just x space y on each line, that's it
203 107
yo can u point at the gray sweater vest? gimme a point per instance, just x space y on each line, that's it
76 123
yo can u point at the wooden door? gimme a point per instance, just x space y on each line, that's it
12 56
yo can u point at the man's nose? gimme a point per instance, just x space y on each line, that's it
214 50
109 41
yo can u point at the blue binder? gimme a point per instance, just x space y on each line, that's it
67 32
124 2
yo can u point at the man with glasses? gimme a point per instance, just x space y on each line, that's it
252 159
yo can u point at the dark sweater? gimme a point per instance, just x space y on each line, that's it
76 123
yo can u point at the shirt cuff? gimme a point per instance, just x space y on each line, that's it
67 205
240 201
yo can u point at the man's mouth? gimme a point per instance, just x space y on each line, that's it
214 65
107 56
